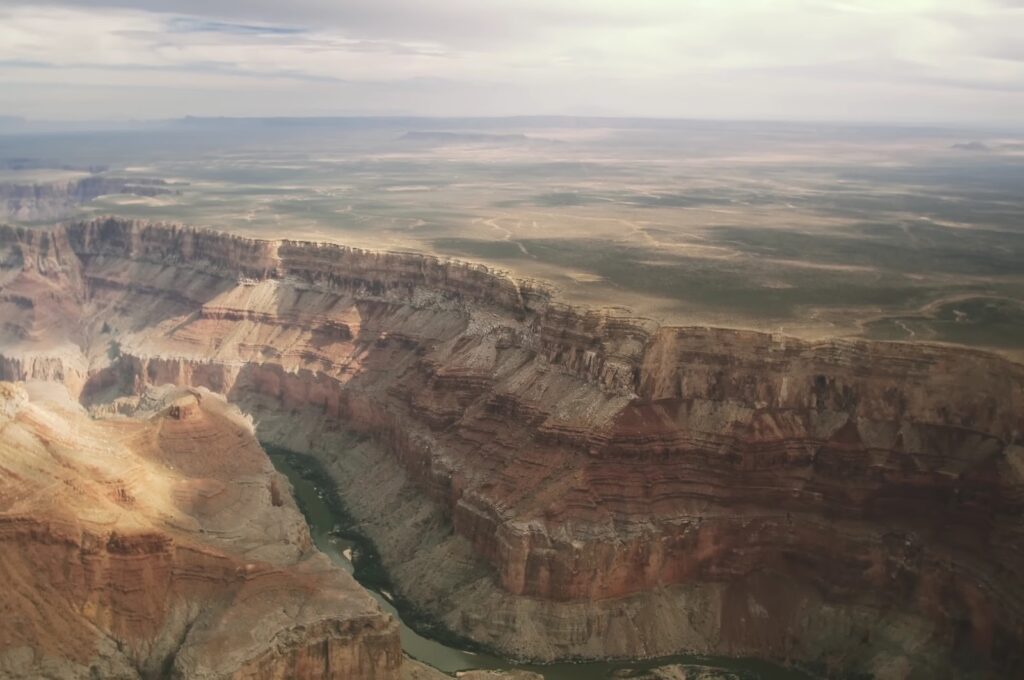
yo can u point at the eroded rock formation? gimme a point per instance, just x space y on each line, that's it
558 482
161 545
52 200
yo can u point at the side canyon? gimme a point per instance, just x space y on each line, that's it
546 481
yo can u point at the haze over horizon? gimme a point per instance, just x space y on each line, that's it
935 61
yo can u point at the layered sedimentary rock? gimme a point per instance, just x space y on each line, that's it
51 200
559 482
165 545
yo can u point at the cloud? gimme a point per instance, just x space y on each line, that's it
742 58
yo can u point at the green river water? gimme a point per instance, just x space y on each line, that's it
332 531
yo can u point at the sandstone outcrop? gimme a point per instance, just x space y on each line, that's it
560 482
155 546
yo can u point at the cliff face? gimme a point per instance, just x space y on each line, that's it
727 426
123 554
627 489
52 200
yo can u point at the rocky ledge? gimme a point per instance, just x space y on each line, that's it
556 482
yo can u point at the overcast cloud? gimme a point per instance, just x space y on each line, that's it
899 60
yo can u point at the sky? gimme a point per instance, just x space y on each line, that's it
955 61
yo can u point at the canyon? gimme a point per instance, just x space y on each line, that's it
543 480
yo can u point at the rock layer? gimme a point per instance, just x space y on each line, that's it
608 486
165 545
52 200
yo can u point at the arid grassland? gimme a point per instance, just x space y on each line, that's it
890 233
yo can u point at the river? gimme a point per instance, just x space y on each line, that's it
330 530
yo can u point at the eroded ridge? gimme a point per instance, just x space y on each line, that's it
158 541
576 482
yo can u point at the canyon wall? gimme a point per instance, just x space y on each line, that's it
51 200
583 482
124 554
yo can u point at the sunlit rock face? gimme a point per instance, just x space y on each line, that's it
584 483
125 554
